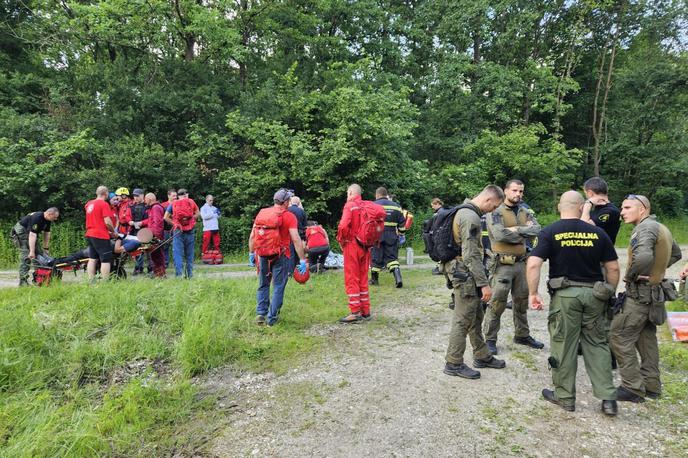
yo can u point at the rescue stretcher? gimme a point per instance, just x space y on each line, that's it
47 269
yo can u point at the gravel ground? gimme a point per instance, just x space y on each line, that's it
378 390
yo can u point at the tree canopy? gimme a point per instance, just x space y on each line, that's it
428 98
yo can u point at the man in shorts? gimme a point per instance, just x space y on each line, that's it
99 230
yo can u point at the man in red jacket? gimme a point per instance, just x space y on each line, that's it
156 224
356 258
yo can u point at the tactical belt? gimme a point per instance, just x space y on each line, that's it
517 258
563 282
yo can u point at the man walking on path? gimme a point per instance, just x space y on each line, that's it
468 277
211 226
356 258
510 227
386 255
634 326
577 252
25 235
274 229
99 230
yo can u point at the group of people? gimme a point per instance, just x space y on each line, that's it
114 221
585 314
501 249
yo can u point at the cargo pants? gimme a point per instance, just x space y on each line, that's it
575 314
508 278
467 319
632 332
21 239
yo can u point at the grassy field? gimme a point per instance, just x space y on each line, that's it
108 369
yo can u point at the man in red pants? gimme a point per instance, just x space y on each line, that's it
356 258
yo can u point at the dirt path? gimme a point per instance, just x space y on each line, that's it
378 390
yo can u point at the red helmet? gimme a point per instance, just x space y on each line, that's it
302 278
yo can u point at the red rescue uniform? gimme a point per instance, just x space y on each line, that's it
356 258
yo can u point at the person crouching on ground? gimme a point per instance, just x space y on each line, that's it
274 229
318 244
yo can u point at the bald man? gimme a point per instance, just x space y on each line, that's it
356 258
651 251
576 251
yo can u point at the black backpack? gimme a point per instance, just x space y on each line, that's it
440 244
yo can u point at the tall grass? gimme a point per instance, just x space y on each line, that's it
62 348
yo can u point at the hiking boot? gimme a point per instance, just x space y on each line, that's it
397 277
351 318
529 342
451 305
491 362
623 394
510 305
260 320
610 408
461 370
492 346
374 278
652 395
24 283
366 317
436 271
549 396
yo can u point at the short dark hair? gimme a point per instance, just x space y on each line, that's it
493 191
513 181
381 191
596 185
171 190
436 200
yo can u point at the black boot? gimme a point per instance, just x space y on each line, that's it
374 278
397 277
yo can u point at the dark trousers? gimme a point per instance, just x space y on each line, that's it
387 254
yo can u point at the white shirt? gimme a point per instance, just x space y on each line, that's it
209 215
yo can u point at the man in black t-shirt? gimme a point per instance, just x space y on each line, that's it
598 210
576 251
25 235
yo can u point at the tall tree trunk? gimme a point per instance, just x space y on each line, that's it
600 111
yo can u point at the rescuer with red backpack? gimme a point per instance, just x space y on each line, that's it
359 229
182 215
274 229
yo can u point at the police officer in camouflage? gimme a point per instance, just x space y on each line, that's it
468 278
386 256
634 328
577 252
510 227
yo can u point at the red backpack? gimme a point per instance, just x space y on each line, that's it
183 213
372 223
267 242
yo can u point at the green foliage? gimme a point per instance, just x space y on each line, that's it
240 98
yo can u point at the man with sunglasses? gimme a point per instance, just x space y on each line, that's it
634 326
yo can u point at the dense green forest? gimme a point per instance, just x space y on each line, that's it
429 98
